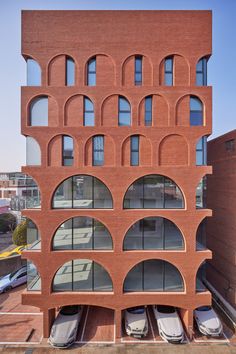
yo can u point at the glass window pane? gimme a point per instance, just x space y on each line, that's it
138 64
199 158
70 72
148 104
153 192
82 233
124 119
82 192
199 79
39 112
63 196
153 275
63 237
102 280
138 78
173 195
124 104
102 238
133 239
33 73
168 64
33 152
98 158
88 104
134 196
133 281
153 233
134 158
196 118
98 150
135 143
82 275
173 280
102 196
199 145
168 79
91 79
89 119
68 146
195 104
92 65
63 278
199 66
173 236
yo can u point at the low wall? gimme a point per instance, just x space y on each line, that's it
8 265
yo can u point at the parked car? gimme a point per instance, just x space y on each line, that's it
16 251
169 324
208 322
13 279
64 330
136 322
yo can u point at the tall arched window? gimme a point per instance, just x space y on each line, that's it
31 194
201 151
153 192
196 111
169 71
32 235
201 194
80 233
33 277
33 73
67 150
201 72
124 114
153 233
88 112
98 150
91 72
138 70
39 111
82 275
70 71
33 152
82 192
153 275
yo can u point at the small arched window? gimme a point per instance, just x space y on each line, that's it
98 150
88 113
91 72
33 277
33 73
201 194
196 111
70 71
124 112
33 152
148 111
39 111
138 70
169 71
67 150
201 72
201 151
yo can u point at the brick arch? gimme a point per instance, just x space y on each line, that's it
181 70
52 109
160 111
110 110
145 151
56 70
182 110
173 151
74 110
105 69
128 70
109 150
54 150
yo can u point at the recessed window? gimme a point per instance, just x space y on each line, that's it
196 111
201 151
230 145
124 112
33 73
134 150
91 72
70 71
67 151
169 71
98 150
33 152
148 111
138 70
88 112
201 194
201 72
39 111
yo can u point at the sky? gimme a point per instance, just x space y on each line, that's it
221 68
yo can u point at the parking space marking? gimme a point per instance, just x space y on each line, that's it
22 313
150 321
85 322
143 341
211 340
22 343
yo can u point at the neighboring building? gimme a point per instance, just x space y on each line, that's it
221 228
116 113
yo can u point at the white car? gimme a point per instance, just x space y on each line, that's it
208 322
136 323
64 330
169 324
13 279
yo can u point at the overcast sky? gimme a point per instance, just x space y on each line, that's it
221 66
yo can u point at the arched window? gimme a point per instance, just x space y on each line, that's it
98 150
201 194
31 194
148 111
153 192
153 233
201 236
39 111
91 72
124 112
33 236
33 152
33 277
33 73
201 276
134 150
201 151
70 71
201 72
67 150
196 111
82 275
153 275
169 71
88 112
138 70
82 192
80 233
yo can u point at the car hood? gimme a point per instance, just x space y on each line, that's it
208 318
170 324
136 321
63 328
5 280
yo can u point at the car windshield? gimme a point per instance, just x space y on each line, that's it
165 309
70 310
136 310
204 308
13 273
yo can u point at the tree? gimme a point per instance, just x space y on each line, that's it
7 222
19 236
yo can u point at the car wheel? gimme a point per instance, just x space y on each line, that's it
8 288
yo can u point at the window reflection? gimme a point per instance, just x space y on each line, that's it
196 111
33 277
201 194
39 111
88 112
124 112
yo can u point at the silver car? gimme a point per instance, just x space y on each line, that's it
13 279
169 324
208 322
136 322
64 330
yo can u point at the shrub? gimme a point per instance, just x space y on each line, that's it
19 236
7 222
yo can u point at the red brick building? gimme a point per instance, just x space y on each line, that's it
116 114
221 227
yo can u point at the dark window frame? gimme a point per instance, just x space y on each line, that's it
97 150
91 72
87 111
202 71
148 122
64 157
134 150
194 111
